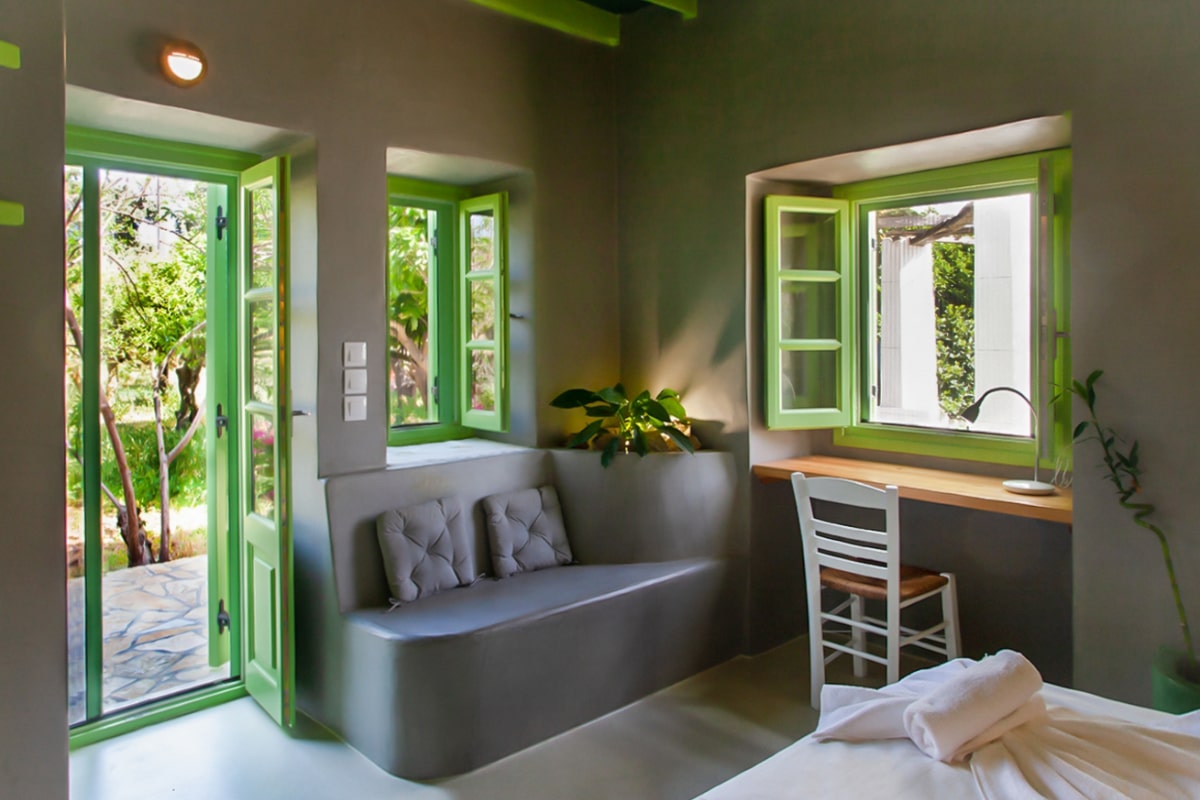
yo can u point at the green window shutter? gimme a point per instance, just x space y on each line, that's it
809 310
483 317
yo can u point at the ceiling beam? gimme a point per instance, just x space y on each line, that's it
569 16
685 7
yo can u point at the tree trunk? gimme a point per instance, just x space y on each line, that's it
164 481
188 376
129 520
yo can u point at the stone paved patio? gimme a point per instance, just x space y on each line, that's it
155 634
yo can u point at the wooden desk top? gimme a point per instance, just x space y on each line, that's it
930 485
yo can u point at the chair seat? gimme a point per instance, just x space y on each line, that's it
914 581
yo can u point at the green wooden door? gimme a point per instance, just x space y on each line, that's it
265 426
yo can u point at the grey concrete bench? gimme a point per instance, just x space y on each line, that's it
453 681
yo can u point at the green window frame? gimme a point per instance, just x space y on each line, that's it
452 284
1048 176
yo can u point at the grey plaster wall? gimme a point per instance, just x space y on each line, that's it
760 83
443 77
33 668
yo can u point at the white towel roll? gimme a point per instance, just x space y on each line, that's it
985 697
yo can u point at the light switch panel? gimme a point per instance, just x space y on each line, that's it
354 381
354 354
354 408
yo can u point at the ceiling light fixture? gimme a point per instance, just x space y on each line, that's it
183 64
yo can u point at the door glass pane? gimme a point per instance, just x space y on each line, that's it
807 241
952 312
73 395
483 380
482 228
411 362
151 614
805 311
262 237
809 379
483 309
262 465
262 350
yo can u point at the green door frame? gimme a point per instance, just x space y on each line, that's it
93 151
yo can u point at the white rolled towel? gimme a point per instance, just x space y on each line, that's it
976 706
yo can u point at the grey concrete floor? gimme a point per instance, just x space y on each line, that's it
676 743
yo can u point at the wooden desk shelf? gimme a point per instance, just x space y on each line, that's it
960 489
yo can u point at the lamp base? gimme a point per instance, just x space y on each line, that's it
1029 487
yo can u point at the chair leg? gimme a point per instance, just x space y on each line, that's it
858 637
816 648
950 615
893 638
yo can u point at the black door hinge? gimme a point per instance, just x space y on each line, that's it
222 223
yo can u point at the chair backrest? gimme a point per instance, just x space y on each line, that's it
873 552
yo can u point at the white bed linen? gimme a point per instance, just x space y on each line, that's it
893 769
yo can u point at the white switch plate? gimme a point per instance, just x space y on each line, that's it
354 381
354 354
354 408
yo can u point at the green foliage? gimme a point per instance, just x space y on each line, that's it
409 275
188 471
1123 469
954 302
623 423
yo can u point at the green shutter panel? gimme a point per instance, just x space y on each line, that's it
809 312
483 307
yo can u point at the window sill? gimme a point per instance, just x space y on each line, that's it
423 455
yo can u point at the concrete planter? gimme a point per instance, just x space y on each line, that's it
1172 691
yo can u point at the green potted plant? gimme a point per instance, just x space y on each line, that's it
1175 674
624 424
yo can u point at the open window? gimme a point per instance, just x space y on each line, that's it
447 312
895 304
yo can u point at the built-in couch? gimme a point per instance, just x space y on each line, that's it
455 680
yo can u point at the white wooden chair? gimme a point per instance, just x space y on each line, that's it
864 563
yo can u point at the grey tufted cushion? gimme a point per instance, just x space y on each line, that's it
525 531
424 548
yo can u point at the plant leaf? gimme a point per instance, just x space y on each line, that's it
586 434
610 450
657 411
574 398
606 410
613 394
673 407
639 442
667 393
1079 429
677 436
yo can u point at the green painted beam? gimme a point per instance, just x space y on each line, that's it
567 16
685 7
11 213
10 55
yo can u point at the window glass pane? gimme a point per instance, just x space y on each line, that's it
262 341
262 466
483 380
482 228
807 241
412 364
809 379
951 312
262 237
483 309
805 310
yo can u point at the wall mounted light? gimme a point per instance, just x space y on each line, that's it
182 63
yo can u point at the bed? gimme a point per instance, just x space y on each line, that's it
893 768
